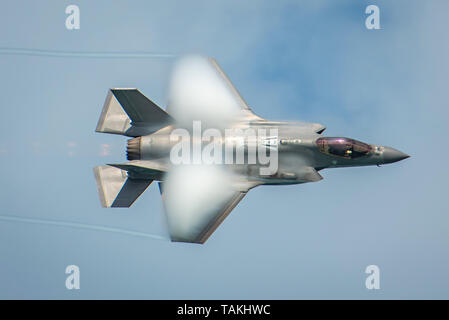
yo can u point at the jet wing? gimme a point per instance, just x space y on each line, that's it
198 198
235 93
200 90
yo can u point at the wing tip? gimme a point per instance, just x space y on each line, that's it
182 240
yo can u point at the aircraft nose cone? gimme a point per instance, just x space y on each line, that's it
391 155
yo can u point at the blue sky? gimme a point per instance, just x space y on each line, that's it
291 60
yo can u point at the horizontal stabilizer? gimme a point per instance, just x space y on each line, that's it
139 108
116 189
129 112
143 169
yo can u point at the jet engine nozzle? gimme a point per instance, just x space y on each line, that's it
133 149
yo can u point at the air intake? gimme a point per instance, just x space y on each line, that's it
133 149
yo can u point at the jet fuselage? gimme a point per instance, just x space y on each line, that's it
301 150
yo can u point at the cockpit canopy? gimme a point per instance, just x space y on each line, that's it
343 147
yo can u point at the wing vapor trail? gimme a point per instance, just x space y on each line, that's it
81 226
80 54
85 54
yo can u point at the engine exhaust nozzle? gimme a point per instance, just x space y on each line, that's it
133 149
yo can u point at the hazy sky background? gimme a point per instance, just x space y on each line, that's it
291 60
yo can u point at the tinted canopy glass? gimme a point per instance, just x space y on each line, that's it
343 147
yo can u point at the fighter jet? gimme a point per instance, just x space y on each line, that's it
208 149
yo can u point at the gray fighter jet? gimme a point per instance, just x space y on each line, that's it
199 194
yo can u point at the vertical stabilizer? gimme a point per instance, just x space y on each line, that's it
128 112
116 189
113 118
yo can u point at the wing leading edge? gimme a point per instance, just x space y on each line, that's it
200 90
197 199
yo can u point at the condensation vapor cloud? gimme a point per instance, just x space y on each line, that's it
210 182
198 93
